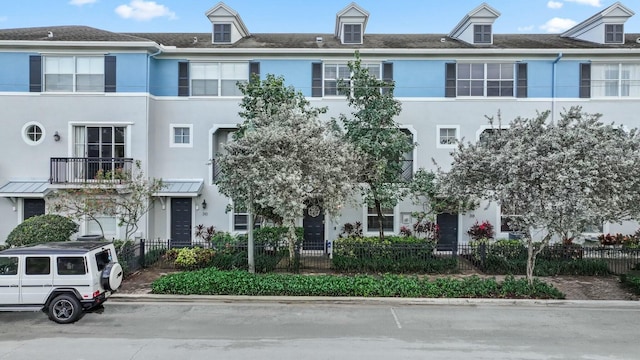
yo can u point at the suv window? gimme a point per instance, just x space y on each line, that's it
38 266
71 265
102 259
8 265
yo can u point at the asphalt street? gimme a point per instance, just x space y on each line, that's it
236 329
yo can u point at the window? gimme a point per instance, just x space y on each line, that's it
407 160
614 34
352 34
387 221
74 73
220 139
241 220
180 135
615 80
33 133
103 258
38 266
71 265
221 33
482 34
335 72
218 79
476 79
104 146
507 217
8 265
447 136
108 224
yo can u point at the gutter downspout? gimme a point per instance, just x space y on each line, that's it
147 163
553 88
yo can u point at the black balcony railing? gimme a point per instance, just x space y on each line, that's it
90 170
407 170
216 170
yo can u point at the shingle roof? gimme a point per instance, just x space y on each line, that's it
308 40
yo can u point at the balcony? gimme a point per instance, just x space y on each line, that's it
90 170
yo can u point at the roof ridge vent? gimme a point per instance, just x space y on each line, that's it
50 34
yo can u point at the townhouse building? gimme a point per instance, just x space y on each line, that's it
75 100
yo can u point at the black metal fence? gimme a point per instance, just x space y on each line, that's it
401 258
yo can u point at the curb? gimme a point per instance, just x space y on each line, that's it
225 299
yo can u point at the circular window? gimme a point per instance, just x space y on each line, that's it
33 133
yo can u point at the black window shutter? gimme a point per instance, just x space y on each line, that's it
522 85
35 73
316 79
183 78
254 69
450 80
387 75
109 74
585 80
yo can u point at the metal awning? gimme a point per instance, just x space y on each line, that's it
25 189
181 188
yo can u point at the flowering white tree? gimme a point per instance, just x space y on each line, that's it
374 132
285 158
558 178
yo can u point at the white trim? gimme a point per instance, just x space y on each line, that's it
342 32
172 138
365 222
447 146
26 138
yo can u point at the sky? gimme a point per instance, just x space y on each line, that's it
305 16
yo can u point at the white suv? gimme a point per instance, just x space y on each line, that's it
63 278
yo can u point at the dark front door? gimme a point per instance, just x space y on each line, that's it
313 224
33 207
448 225
181 221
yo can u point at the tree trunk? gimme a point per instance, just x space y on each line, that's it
291 239
380 219
532 254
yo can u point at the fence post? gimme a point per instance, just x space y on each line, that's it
143 262
483 254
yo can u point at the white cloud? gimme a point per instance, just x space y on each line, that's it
594 3
557 25
554 5
525 28
144 10
82 2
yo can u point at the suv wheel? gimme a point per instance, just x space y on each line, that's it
65 309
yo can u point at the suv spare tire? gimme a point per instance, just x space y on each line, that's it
112 276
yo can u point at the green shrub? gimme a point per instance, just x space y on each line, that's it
193 258
211 281
153 256
41 229
396 254
631 281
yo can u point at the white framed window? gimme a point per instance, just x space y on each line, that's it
241 220
447 136
74 73
221 33
388 220
490 79
181 135
109 226
615 80
352 34
33 133
614 34
482 34
340 71
507 215
217 78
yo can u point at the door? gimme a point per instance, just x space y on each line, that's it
32 207
37 281
9 280
448 225
105 145
181 226
313 224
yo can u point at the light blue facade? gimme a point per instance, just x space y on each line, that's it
14 71
164 77
297 73
419 78
131 72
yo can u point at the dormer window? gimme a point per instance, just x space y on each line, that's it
352 34
482 34
221 33
614 34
